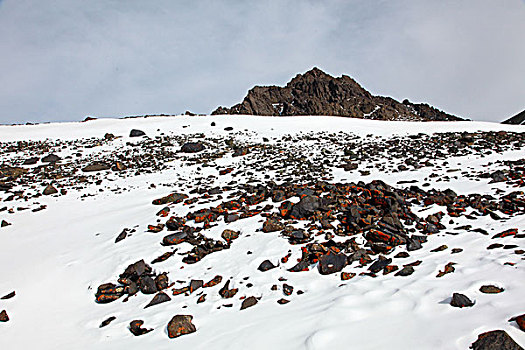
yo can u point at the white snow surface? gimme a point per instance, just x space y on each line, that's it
56 258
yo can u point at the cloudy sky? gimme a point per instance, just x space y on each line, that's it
65 59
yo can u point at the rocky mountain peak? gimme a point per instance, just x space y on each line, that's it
318 93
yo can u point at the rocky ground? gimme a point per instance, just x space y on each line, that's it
227 232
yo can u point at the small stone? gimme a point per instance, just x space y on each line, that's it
283 301
180 325
49 190
229 235
161 281
159 298
3 316
379 264
171 198
449 268
135 327
494 246
520 321
8 296
287 289
195 284
405 271
30 161
491 289
226 293
389 269
216 280
248 302
345 276
266 265
107 321
272 225
95 167
460 300
122 235
439 249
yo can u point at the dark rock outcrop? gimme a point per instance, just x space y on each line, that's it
518 119
317 93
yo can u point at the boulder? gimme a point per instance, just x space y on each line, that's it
248 302
147 285
171 198
3 316
136 133
136 329
97 166
107 321
50 158
266 265
495 340
192 147
49 190
108 292
460 300
272 225
159 298
491 289
180 325
305 207
331 263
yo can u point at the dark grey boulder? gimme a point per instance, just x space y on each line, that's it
136 133
305 207
51 158
147 285
192 147
331 263
461 300
159 298
266 265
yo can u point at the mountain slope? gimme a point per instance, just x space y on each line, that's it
317 93
449 202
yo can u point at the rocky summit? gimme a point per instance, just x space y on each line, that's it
318 93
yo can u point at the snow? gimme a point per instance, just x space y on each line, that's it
56 258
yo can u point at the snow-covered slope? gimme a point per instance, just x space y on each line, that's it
56 258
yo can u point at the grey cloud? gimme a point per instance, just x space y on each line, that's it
64 59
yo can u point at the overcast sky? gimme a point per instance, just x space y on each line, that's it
65 59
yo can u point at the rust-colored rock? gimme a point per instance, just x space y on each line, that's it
181 325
